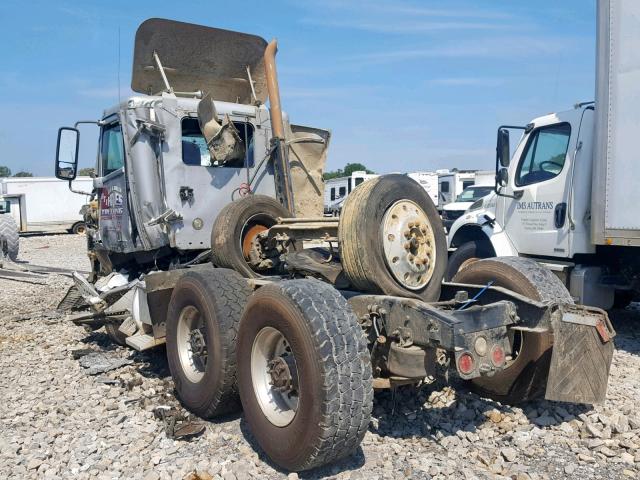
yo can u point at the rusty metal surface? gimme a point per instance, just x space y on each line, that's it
195 57
581 356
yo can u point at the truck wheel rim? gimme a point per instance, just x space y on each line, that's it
274 376
253 227
192 347
408 244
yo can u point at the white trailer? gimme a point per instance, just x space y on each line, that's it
45 204
567 194
451 184
428 181
336 190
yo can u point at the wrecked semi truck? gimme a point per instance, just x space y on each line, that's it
207 234
565 195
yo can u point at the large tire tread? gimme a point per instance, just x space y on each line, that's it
9 234
228 292
344 360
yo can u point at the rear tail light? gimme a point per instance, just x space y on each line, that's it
466 363
497 356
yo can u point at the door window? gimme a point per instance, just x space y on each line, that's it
111 149
544 155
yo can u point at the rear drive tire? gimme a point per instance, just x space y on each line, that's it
9 237
388 227
236 225
202 325
304 373
525 378
464 255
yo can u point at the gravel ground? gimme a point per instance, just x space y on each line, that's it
57 421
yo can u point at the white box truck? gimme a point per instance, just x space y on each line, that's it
45 204
568 194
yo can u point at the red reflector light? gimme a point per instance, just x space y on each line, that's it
497 356
465 363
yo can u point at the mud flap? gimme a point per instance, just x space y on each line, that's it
581 357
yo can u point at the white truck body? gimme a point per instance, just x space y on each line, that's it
336 190
45 204
616 174
568 195
428 181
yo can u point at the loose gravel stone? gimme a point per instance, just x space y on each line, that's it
59 422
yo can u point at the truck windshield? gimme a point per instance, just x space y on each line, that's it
472 194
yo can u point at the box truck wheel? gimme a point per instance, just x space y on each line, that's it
202 324
304 373
464 255
9 237
392 240
525 377
236 229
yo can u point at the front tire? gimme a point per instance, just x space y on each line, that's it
465 254
525 378
202 325
304 374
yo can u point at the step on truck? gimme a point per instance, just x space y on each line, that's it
207 235
565 195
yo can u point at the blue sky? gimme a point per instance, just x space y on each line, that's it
403 85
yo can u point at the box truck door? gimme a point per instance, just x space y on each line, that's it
536 219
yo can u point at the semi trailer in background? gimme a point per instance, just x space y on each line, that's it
45 204
567 194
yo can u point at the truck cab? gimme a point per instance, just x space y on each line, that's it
541 204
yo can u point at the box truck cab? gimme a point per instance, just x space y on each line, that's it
566 193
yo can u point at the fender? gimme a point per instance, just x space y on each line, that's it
480 224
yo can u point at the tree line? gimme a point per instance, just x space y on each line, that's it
6 172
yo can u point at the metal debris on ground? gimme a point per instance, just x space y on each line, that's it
101 362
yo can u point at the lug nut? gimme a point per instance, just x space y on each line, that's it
407 246
410 257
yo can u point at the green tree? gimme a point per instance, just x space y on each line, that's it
5 171
87 172
23 174
348 169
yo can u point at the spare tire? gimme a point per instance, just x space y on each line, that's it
525 377
392 240
237 225
9 237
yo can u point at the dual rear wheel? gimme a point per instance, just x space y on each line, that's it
292 352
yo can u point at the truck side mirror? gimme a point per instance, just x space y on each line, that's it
503 151
67 153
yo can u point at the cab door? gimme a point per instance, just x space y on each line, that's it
113 215
535 205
